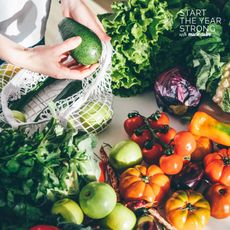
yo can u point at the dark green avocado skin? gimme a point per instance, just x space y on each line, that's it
90 49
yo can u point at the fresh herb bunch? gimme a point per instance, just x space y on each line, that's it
36 171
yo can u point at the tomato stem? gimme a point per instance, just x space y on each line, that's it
190 207
155 116
134 114
222 191
153 133
168 149
226 161
148 144
145 179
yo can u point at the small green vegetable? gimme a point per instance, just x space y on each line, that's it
90 49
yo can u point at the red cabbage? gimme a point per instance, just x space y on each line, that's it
175 93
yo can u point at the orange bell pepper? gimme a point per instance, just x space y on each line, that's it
204 125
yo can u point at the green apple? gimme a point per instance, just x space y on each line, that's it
69 210
121 218
125 154
95 115
97 199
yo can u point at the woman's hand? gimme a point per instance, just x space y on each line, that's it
48 60
80 12
52 61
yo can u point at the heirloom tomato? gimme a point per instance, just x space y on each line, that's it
217 166
142 183
219 198
187 210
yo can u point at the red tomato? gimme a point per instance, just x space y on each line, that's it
171 164
44 227
133 122
151 154
185 143
167 137
142 137
158 119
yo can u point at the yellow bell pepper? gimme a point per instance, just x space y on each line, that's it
204 125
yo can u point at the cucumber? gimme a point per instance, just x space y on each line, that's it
90 49
19 104
72 88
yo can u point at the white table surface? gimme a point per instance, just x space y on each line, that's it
146 105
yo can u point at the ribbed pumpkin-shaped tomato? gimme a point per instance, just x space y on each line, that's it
217 166
187 210
142 183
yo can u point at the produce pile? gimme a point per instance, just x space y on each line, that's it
156 179
152 36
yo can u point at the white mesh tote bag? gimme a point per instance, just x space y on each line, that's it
89 109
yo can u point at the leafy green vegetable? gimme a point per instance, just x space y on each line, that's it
204 57
208 69
225 103
147 39
37 170
134 27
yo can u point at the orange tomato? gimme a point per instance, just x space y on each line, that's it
203 147
185 143
171 164
142 183
219 198
217 166
187 210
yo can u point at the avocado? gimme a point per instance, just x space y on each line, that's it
90 49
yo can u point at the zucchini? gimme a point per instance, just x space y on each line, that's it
90 49
19 104
72 88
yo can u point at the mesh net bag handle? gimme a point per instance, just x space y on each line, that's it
96 90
